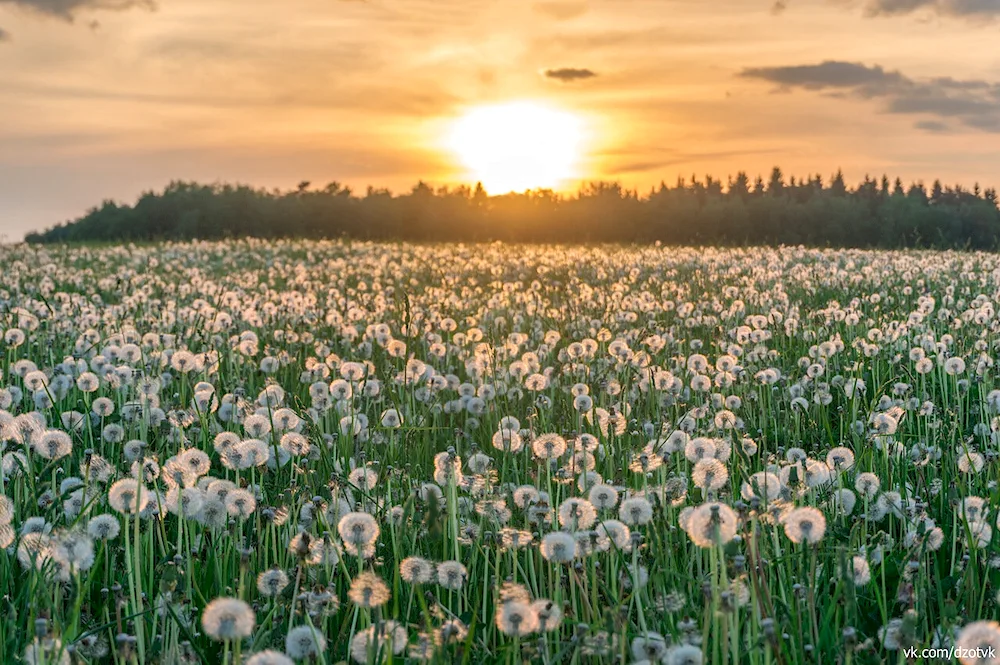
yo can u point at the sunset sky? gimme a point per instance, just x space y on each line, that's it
106 98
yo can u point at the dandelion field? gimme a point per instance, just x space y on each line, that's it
317 452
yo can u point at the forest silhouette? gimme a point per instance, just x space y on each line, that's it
807 211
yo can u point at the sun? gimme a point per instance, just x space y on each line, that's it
516 146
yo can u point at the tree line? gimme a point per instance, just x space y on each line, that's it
741 211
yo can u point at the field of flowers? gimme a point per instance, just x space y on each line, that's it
275 452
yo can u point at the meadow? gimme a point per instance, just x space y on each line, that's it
269 452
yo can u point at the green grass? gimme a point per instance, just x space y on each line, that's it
455 339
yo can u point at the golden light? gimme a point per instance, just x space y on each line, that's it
517 146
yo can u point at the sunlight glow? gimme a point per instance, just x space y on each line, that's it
517 146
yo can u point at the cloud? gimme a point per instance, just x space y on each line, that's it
934 126
828 74
569 74
562 11
639 40
973 103
968 8
67 9
4 36
642 159
413 98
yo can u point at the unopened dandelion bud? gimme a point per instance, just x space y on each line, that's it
767 627
41 627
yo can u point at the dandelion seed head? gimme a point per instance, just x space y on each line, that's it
304 642
226 619
368 590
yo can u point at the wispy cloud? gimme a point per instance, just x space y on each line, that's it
973 103
640 159
67 9
969 8
934 126
828 74
569 74
562 11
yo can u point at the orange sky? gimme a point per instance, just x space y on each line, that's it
106 98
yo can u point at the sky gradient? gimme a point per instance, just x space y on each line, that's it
107 98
